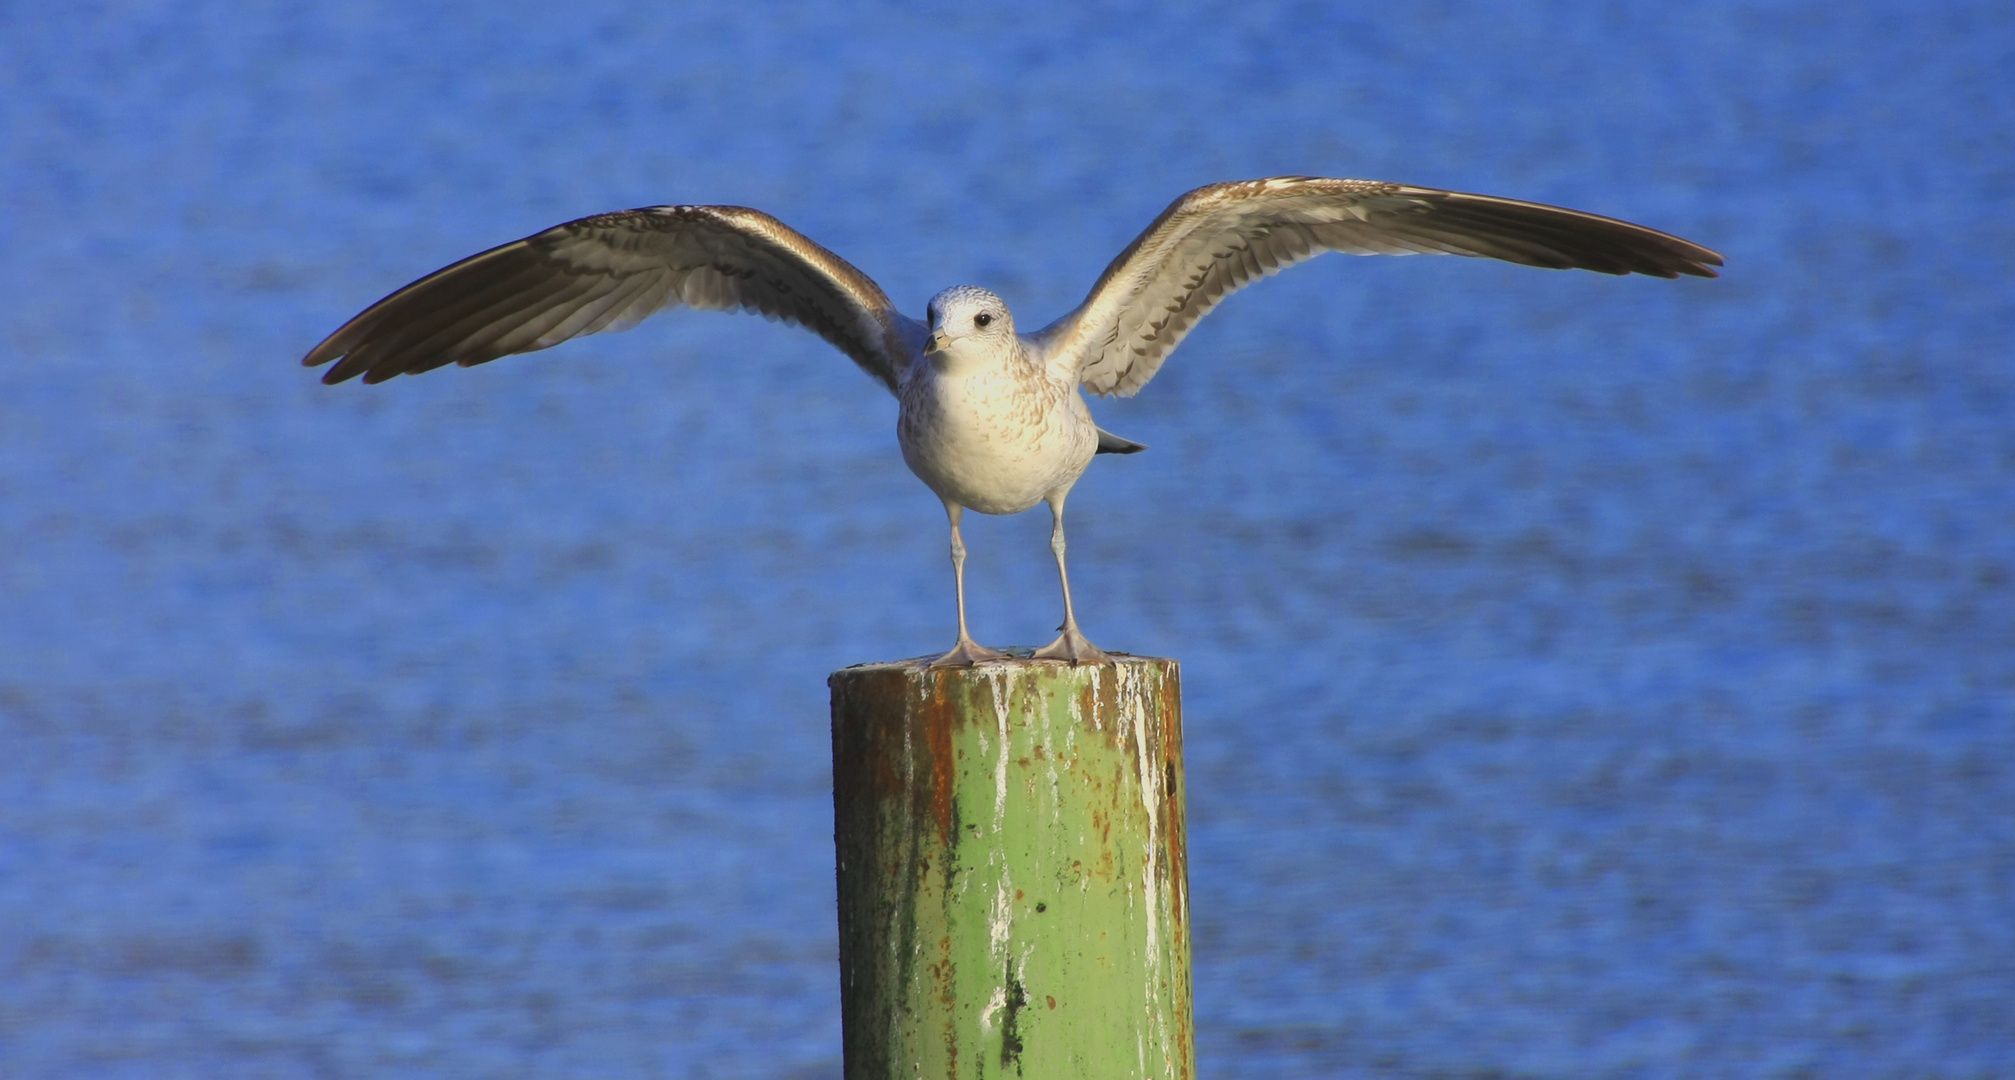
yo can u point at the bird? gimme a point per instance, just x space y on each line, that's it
990 419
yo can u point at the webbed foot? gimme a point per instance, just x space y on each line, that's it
1071 647
967 653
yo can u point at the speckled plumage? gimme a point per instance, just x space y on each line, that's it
990 420
1000 433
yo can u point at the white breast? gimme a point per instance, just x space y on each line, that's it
997 438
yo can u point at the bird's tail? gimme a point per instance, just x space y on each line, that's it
1108 443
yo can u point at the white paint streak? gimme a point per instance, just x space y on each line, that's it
1000 915
994 1005
1134 706
1002 702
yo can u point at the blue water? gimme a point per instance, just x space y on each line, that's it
1585 677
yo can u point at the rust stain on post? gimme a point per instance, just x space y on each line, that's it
1013 876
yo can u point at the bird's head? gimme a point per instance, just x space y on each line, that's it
968 322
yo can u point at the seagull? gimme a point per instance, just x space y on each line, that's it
990 419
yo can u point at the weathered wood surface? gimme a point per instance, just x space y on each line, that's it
1013 887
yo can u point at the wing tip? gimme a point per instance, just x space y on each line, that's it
328 350
1699 263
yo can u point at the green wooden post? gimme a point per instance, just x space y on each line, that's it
1013 886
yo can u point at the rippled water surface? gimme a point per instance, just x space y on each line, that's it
1586 677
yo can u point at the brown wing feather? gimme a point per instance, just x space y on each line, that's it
609 271
1217 239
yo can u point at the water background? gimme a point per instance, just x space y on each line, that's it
1586 677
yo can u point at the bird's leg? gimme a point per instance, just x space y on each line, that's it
967 652
1071 644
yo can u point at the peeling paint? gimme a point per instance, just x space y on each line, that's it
936 845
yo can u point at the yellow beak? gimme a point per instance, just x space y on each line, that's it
937 341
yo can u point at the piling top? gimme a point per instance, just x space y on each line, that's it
1019 659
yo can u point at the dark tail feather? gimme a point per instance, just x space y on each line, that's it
1108 443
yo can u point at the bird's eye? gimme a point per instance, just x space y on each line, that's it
982 319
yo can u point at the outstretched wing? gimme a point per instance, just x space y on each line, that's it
608 272
1216 239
